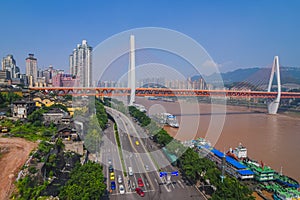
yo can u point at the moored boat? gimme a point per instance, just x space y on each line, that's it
286 181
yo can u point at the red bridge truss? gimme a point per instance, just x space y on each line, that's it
161 92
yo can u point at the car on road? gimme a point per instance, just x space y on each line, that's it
113 185
120 179
137 143
111 169
109 161
112 176
147 167
140 192
121 189
130 172
140 182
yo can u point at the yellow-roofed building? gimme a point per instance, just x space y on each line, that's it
47 102
39 102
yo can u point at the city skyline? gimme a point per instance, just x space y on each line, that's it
236 35
112 100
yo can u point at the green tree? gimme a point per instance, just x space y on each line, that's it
189 163
93 137
7 99
176 148
162 137
142 118
101 114
86 182
36 115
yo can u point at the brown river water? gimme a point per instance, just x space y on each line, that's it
272 139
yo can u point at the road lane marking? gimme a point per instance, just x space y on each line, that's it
137 155
141 142
180 183
133 147
172 185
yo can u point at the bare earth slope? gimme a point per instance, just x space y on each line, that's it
16 153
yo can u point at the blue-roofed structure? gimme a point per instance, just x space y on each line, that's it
245 172
233 167
235 163
217 153
230 160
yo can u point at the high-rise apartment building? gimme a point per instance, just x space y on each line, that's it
9 64
31 69
81 64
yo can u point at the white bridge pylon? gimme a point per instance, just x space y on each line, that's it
131 71
274 104
271 104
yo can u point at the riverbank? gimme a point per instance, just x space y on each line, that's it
273 139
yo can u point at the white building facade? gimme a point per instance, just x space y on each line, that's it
81 64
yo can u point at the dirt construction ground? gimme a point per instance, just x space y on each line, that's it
15 152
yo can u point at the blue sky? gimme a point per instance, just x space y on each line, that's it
236 33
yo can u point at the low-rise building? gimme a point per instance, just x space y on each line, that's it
66 120
63 80
54 115
5 77
67 132
21 109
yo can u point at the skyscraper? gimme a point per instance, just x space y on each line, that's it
31 69
81 64
9 64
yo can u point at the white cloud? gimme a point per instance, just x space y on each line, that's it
209 63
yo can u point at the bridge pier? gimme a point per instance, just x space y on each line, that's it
274 104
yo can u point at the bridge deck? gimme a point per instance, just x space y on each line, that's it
163 92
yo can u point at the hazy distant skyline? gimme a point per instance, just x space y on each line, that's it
237 34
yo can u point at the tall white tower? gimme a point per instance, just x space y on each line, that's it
9 64
273 105
31 69
81 64
131 71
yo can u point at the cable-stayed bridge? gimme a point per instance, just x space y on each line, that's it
273 97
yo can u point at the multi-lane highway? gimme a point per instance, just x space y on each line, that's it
145 159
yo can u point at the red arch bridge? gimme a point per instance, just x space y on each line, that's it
162 92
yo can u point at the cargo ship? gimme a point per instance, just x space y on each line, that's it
286 181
